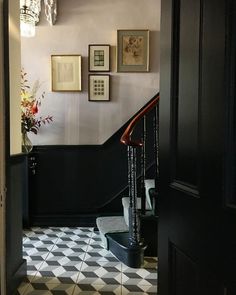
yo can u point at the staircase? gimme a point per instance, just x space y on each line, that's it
133 235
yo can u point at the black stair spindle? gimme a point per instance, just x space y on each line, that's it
156 155
143 166
129 175
133 216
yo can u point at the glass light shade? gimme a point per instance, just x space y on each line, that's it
27 29
33 7
29 16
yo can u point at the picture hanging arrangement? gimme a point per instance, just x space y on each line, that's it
132 56
66 72
99 87
132 50
99 57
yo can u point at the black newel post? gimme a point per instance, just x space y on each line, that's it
134 233
143 166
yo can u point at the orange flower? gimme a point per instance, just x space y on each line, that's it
35 108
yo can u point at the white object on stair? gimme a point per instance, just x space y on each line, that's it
125 203
110 224
149 183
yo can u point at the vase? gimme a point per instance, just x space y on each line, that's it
27 145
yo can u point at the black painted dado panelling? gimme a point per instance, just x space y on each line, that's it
72 183
66 180
16 186
74 180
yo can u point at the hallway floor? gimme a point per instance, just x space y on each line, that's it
73 261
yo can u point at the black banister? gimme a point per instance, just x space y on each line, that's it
132 146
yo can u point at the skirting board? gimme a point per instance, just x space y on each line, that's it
15 280
67 220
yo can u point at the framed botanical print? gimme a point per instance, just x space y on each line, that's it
99 57
66 72
99 87
133 50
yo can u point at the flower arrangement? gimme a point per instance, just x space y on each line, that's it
30 104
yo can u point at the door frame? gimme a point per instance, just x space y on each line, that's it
2 162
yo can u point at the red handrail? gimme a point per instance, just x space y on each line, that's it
126 137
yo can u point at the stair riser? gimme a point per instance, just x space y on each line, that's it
148 232
132 257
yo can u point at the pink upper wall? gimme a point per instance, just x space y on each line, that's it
79 23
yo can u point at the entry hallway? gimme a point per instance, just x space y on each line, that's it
73 261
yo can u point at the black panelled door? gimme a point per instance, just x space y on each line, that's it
197 228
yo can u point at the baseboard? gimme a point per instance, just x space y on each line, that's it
15 280
119 245
83 220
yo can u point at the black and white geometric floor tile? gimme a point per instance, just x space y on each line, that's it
133 276
97 289
72 260
100 273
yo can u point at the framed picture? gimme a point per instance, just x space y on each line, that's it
99 87
132 51
66 72
99 57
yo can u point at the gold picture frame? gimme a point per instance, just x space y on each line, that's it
99 58
66 72
99 87
132 50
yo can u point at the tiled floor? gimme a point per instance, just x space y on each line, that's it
72 261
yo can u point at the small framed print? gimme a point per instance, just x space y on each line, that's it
132 51
99 57
66 72
99 87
